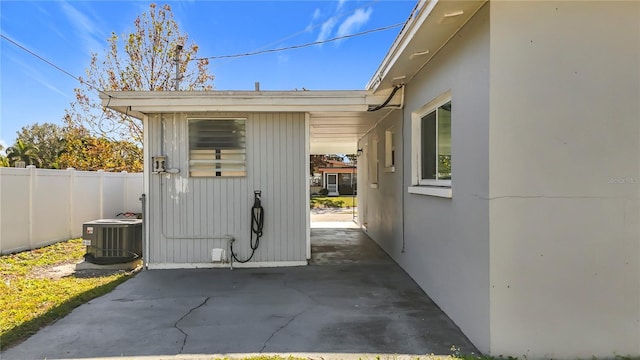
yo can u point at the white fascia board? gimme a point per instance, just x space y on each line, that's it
245 108
424 7
137 103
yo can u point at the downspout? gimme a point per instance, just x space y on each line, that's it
146 186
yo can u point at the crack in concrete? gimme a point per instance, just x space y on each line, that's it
184 341
287 285
281 327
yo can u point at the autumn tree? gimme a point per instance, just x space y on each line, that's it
89 153
47 139
139 61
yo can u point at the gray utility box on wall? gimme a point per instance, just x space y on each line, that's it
112 241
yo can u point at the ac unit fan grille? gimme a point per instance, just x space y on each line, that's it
113 243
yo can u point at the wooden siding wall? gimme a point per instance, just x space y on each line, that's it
187 214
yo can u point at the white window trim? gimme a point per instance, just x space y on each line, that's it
441 188
438 191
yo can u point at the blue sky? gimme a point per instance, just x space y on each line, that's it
67 32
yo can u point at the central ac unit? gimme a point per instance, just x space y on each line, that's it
112 241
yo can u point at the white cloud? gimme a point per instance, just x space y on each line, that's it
36 75
316 14
326 28
340 4
92 38
354 22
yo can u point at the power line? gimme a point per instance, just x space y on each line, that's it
341 14
301 45
210 57
52 64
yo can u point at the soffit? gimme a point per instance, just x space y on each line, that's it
432 25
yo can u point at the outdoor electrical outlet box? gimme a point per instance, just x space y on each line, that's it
159 164
217 255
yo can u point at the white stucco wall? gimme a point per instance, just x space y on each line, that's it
382 209
565 179
446 240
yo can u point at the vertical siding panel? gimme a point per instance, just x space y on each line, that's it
303 190
154 196
266 168
275 178
259 156
222 200
271 173
178 201
286 183
210 204
177 219
206 208
241 189
167 225
276 183
298 182
264 120
293 181
300 190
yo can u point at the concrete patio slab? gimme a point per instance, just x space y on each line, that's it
344 308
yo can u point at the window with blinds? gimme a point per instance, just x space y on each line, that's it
217 147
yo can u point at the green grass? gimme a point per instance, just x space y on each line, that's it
333 202
30 300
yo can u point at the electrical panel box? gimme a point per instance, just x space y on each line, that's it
113 240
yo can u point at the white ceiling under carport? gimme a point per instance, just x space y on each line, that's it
338 132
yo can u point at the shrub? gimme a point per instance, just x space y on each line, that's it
345 190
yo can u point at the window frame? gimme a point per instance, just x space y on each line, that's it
389 151
416 148
222 175
374 163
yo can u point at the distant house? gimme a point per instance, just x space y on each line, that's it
339 178
500 163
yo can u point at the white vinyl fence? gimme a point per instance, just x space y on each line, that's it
39 207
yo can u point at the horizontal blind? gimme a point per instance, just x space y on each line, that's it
217 147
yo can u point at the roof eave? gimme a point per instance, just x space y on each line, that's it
138 103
